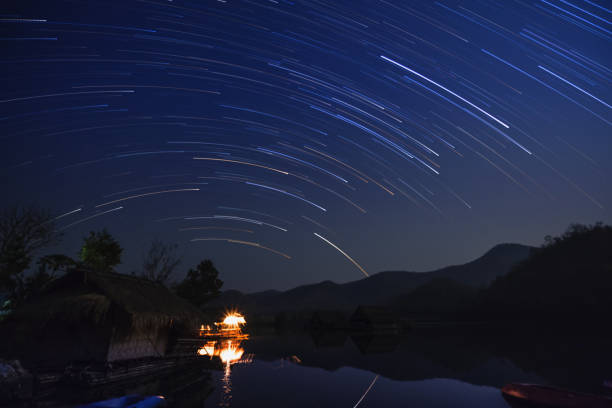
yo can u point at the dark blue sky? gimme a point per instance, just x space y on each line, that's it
284 138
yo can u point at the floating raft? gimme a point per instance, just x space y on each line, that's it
544 396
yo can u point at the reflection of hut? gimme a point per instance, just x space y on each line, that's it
373 344
328 319
92 316
328 338
373 318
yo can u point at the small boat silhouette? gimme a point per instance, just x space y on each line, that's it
534 395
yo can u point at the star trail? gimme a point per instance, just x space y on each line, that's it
412 134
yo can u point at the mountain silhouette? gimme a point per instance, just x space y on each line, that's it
379 288
568 279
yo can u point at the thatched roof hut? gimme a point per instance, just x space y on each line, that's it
329 338
373 318
328 319
128 301
376 344
87 315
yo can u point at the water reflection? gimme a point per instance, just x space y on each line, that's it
432 368
366 391
230 352
425 368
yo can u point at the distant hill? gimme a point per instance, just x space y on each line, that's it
480 272
568 279
376 289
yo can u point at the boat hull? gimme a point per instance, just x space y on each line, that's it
532 395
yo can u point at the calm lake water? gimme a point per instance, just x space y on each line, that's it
426 368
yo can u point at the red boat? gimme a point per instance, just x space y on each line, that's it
533 395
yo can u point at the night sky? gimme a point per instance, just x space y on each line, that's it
270 136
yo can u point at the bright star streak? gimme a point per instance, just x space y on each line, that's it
236 241
343 253
275 153
150 187
147 194
585 11
89 218
544 84
447 90
215 228
241 162
576 16
65 214
234 218
25 98
575 86
286 193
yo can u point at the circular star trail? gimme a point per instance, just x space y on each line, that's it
409 134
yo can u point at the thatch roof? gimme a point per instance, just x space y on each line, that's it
372 344
328 319
329 338
122 301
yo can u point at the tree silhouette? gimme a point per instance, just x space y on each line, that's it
160 262
24 230
568 278
48 268
201 284
56 263
100 251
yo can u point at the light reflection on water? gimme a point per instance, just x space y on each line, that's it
430 369
230 352
249 380
268 384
